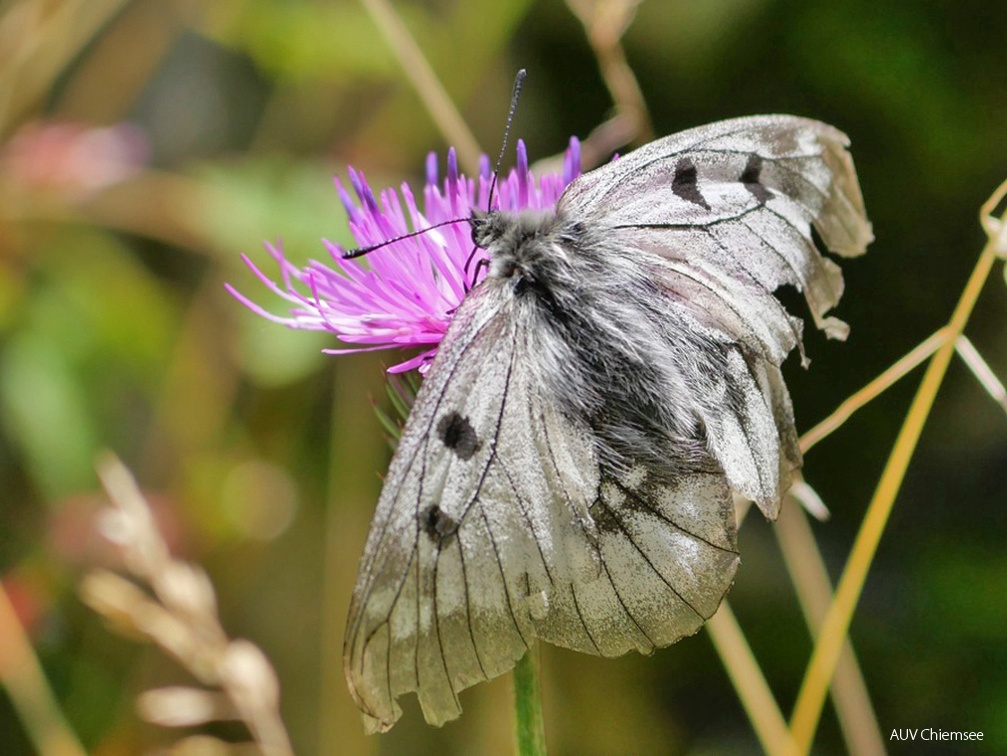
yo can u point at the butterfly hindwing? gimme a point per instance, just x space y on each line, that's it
669 554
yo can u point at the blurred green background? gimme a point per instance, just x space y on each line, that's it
263 457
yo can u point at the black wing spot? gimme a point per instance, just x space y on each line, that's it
457 433
750 178
685 184
604 518
437 524
603 510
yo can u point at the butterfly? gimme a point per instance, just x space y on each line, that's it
566 472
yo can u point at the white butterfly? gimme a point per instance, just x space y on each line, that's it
567 468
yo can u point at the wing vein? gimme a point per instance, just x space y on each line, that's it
631 494
625 609
494 437
699 224
776 302
437 628
475 495
691 149
374 631
468 609
527 517
642 553
373 555
503 577
580 616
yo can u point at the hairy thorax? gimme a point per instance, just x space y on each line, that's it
599 340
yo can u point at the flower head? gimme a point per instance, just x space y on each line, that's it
403 294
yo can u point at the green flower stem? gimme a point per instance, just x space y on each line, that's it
528 706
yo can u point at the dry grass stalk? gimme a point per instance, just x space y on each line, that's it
605 21
981 370
179 614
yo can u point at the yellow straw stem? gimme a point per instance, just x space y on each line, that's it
749 683
814 591
22 676
868 393
811 697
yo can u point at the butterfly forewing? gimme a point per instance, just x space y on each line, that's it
722 216
764 178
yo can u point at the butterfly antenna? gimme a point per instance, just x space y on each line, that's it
350 254
514 97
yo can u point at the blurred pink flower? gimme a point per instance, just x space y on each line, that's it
403 294
72 159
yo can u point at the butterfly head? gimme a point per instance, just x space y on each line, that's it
519 244
485 227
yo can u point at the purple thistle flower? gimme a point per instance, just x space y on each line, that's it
404 294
